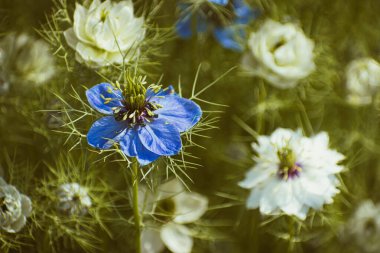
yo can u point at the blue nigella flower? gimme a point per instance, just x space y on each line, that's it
225 18
147 123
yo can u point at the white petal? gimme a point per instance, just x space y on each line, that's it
151 241
254 177
189 207
2 182
71 38
170 189
177 238
253 200
80 16
26 205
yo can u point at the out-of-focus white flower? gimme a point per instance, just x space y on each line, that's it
174 207
105 32
14 208
24 60
362 80
73 199
280 53
364 226
292 173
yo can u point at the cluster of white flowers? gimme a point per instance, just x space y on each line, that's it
280 53
24 60
174 207
362 80
14 208
292 173
364 226
73 199
105 33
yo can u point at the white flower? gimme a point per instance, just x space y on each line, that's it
292 173
14 208
362 80
174 207
105 31
73 199
25 60
280 53
364 226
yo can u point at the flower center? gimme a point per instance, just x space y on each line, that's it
288 167
218 15
3 205
136 110
165 209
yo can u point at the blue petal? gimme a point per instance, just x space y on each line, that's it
180 112
105 132
160 137
131 145
229 37
221 2
244 12
183 26
163 92
97 94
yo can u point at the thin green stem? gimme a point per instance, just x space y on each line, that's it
136 211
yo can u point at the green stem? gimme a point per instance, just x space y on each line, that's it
136 211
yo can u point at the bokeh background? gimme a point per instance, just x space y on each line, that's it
343 30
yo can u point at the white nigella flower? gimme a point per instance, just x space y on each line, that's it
364 226
174 207
280 53
362 80
24 60
14 208
105 31
292 173
73 199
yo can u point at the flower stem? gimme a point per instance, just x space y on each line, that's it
136 211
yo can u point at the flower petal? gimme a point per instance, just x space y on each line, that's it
183 26
26 205
105 132
151 241
98 94
177 238
160 137
190 207
244 12
220 2
230 37
180 112
17 225
170 189
71 38
131 146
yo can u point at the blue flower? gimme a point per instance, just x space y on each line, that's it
147 125
226 25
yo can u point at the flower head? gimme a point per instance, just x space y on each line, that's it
362 80
105 33
73 199
292 173
364 226
14 208
280 53
174 207
145 122
24 60
225 18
